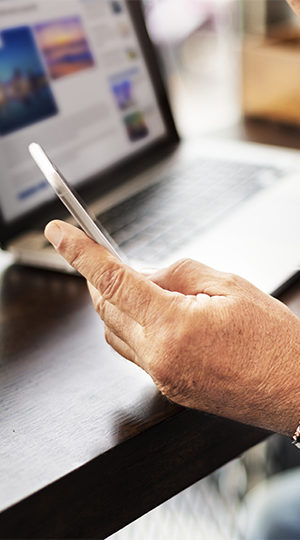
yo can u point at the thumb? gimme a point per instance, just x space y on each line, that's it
120 285
77 248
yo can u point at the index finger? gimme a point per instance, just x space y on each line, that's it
118 284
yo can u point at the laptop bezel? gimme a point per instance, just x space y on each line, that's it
123 170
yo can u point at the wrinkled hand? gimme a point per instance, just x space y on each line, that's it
209 340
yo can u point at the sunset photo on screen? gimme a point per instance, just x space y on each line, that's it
64 46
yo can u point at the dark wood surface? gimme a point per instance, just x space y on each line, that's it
87 442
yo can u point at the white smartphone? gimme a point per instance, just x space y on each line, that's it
71 201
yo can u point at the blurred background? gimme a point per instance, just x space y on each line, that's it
199 43
229 66
213 53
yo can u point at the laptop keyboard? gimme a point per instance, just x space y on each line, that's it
160 219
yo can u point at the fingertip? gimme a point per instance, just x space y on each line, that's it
61 225
53 233
56 230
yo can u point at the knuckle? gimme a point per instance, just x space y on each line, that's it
74 253
173 347
169 380
181 266
232 280
109 280
168 346
108 335
100 307
177 273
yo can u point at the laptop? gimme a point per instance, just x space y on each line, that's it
81 78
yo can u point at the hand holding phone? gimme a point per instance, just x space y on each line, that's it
70 199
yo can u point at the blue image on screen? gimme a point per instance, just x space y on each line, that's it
123 93
25 93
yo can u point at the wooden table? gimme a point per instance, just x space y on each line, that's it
87 442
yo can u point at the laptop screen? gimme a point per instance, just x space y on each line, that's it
73 78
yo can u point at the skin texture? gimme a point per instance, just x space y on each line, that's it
209 340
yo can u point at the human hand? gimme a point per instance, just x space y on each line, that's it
295 5
209 340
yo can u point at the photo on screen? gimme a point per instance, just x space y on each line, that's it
25 93
131 53
64 46
116 6
123 29
136 126
123 93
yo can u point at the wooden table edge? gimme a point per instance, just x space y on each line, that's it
144 471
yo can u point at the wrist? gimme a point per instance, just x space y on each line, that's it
286 403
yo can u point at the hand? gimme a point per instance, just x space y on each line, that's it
209 340
295 5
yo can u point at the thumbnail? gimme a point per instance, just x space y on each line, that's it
64 46
25 93
136 126
131 53
123 93
116 6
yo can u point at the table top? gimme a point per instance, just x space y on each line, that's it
88 444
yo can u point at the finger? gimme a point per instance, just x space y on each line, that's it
191 278
119 346
295 5
134 294
123 326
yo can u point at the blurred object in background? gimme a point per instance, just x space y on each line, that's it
259 15
271 61
199 46
210 83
